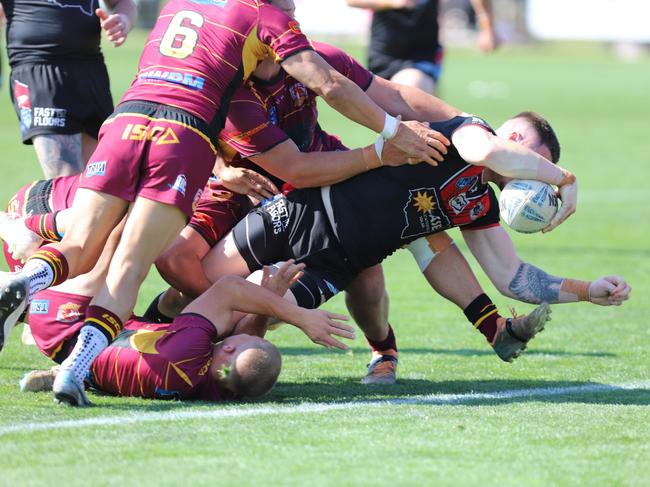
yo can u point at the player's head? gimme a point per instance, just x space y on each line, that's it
247 365
533 131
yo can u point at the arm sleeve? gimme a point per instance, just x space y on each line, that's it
280 32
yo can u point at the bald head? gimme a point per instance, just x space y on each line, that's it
255 369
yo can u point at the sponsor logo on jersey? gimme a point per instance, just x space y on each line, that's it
277 210
68 313
48 117
216 3
476 211
273 115
466 181
190 81
458 203
180 184
159 134
204 370
85 6
96 169
423 213
39 307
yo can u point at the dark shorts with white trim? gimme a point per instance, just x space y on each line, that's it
296 227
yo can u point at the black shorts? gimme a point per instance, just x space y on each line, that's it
66 98
388 66
296 227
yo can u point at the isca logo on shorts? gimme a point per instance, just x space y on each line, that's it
96 169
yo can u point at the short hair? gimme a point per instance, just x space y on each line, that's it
255 370
545 132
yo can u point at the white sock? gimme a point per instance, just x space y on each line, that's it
90 344
40 275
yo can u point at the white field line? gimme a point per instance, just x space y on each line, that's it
243 411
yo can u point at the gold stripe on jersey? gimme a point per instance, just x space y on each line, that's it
176 122
219 57
225 27
138 376
182 375
117 371
253 52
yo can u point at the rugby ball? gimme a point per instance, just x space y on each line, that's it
527 206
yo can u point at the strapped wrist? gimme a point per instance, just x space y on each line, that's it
577 287
370 157
391 125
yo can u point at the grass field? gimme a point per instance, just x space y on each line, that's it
573 410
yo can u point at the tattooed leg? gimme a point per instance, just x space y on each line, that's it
532 285
59 154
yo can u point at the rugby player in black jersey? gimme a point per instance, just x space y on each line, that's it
339 230
59 84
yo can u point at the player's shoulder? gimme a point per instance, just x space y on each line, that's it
449 126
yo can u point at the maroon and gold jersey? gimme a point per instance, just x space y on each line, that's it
200 51
161 361
266 113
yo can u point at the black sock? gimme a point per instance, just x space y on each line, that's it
154 315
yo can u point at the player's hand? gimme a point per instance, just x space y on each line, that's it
609 291
321 326
568 194
419 143
246 181
487 40
116 26
279 281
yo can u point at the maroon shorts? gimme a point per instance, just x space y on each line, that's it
219 210
154 151
55 319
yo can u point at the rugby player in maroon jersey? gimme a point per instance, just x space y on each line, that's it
157 150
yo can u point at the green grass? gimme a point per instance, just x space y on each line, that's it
599 107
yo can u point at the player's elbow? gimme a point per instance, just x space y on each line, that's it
335 90
229 287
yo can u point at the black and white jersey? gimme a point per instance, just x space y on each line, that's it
51 31
377 212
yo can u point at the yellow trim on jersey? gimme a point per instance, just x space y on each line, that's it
138 375
145 340
152 119
253 52
225 27
117 374
218 56
182 375
482 318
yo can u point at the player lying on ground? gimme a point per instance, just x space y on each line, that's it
156 152
179 359
339 230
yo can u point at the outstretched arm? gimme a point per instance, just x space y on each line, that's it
495 252
232 294
120 21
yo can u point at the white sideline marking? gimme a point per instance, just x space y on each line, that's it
240 412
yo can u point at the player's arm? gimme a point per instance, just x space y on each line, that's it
487 39
495 252
120 21
232 294
409 102
414 139
378 5
180 265
478 146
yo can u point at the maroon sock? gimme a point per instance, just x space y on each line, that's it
388 343
44 226
483 314
104 320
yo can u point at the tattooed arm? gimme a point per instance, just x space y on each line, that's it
495 252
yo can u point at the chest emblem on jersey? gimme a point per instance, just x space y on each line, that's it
68 313
458 203
422 213
299 94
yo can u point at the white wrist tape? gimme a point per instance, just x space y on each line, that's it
379 148
390 127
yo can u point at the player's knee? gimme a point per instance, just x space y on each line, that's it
367 291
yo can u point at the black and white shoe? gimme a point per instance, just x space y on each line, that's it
13 301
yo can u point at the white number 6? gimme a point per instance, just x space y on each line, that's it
180 40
